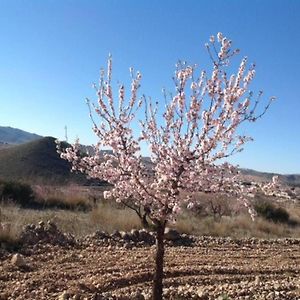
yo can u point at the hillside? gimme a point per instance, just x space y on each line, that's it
38 162
4 145
290 179
9 135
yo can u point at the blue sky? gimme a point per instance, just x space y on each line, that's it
51 53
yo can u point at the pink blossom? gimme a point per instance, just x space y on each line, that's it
200 129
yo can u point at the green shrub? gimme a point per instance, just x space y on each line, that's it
271 212
17 192
66 203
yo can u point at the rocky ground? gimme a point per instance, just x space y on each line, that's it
52 265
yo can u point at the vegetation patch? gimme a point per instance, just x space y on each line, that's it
17 192
271 212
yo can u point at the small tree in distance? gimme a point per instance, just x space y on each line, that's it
188 142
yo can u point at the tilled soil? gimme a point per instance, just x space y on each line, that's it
210 269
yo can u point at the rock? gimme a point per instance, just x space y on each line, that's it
100 235
116 234
3 296
146 237
52 226
171 234
65 295
137 296
202 294
18 260
143 234
257 280
127 246
124 235
97 297
270 296
49 234
135 233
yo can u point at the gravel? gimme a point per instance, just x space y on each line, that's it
54 265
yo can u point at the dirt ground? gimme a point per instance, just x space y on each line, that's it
210 269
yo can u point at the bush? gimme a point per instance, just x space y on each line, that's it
17 192
69 198
270 212
66 203
22 194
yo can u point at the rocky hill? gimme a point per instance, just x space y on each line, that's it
29 157
252 175
36 161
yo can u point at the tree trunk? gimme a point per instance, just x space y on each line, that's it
159 263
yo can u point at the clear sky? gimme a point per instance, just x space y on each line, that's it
51 53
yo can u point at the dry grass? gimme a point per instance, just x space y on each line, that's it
74 222
79 223
294 211
239 226
71 196
9 233
108 216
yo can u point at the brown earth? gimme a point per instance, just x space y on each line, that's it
212 268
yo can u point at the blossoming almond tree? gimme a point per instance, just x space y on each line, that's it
188 143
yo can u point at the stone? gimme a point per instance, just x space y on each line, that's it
64 296
45 234
3 296
97 296
270 296
52 226
135 233
257 280
137 296
171 234
201 293
127 246
124 235
18 260
116 234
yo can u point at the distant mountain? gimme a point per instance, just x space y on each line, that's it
37 162
9 135
290 179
